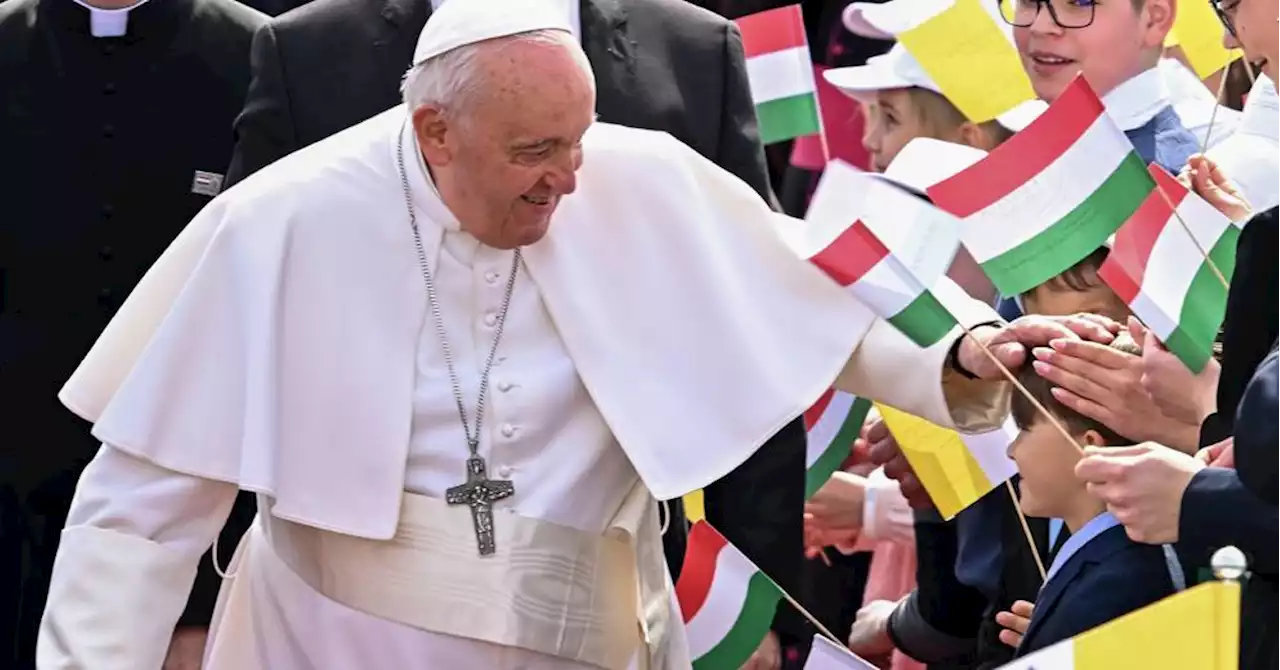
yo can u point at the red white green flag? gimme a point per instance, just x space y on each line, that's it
1157 266
1049 196
832 424
851 216
727 602
780 74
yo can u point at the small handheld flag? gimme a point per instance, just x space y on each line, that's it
780 74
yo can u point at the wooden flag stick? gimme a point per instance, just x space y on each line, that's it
812 619
1222 90
1248 69
1208 261
1026 529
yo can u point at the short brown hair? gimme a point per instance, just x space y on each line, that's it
939 117
1025 413
1083 275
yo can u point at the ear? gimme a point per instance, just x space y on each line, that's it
433 133
1093 438
1160 15
974 135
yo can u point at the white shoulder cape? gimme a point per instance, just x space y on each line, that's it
273 344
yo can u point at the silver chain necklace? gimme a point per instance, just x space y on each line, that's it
478 492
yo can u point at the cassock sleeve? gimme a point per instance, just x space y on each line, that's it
134 536
890 368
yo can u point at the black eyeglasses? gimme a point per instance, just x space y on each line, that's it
1065 13
1225 9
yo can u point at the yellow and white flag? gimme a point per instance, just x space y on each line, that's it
1198 628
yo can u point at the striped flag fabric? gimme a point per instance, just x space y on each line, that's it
727 602
956 469
831 426
1050 195
1157 266
780 74
849 220
827 655
1197 628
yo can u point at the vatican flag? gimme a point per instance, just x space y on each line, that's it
1198 628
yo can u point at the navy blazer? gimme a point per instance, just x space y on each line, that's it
1108 577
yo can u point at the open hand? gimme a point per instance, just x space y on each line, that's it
1141 485
1176 391
869 637
1009 343
884 452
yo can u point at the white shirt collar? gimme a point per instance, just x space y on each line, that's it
109 22
574 8
1135 102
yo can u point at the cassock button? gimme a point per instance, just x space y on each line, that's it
106 253
508 430
491 319
104 298
107 211
108 130
109 88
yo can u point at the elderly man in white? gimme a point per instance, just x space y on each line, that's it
458 370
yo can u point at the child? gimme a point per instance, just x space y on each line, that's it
1099 573
1117 46
1078 290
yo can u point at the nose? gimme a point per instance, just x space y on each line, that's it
1044 23
562 178
1229 41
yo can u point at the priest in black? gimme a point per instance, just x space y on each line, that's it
116 129
659 64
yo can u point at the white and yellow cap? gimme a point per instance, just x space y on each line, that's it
461 22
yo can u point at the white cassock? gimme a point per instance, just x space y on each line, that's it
656 337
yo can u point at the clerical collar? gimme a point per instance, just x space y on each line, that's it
574 8
1135 102
421 186
142 19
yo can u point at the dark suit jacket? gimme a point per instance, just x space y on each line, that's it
659 64
1108 577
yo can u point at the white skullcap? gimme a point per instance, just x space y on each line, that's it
461 22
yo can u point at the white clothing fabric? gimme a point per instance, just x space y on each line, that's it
1137 100
573 9
886 515
1251 156
109 22
1195 105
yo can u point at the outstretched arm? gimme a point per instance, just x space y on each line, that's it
134 537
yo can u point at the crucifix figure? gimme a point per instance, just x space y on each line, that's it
479 493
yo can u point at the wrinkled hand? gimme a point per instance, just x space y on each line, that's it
885 453
1015 622
768 656
837 507
1009 343
1141 485
1105 385
1203 176
186 648
1176 391
869 637
1220 455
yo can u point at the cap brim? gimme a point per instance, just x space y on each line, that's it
863 80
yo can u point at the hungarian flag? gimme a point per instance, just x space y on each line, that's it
1197 628
780 74
728 604
1159 269
831 425
1049 196
851 217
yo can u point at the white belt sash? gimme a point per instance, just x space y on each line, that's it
595 599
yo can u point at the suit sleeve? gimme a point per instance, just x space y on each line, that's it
1218 510
740 150
758 507
939 620
264 129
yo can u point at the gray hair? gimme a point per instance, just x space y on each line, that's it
449 80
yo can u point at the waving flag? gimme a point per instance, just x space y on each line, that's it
831 426
825 655
1049 196
780 74
728 604
1160 271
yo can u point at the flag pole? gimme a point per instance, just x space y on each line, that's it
1213 116
1026 529
1208 261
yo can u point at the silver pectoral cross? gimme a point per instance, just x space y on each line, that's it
479 493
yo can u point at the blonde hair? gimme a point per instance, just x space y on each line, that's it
941 119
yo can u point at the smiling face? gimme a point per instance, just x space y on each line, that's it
1122 41
503 164
1256 34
